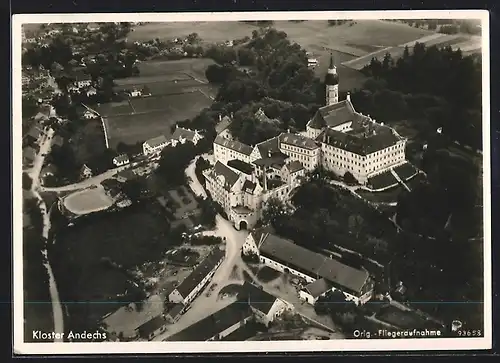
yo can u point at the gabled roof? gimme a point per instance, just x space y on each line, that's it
151 326
156 141
184 133
241 166
234 145
318 287
221 171
257 298
269 147
175 311
298 141
277 160
200 272
284 251
335 115
121 158
259 233
248 186
294 166
223 124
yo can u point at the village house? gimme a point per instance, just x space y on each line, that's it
192 285
82 80
152 328
89 115
91 91
323 274
181 135
174 313
265 307
85 172
135 93
121 160
155 145
222 127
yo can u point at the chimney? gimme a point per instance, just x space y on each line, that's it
348 97
220 117
232 115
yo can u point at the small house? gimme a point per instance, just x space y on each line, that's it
154 145
88 115
152 328
85 172
121 160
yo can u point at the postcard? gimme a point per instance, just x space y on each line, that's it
251 182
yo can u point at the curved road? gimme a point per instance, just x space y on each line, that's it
57 311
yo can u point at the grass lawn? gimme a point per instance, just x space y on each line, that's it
162 87
386 196
89 141
114 109
88 201
403 319
141 126
177 69
127 238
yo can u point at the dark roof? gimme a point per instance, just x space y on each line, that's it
382 180
277 160
375 138
175 311
248 186
257 297
241 166
199 273
294 166
258 233
184 133
332 77
214 324
318 287
234 145
405 171
223 124
335 115
344 277
269 147
229 176
298 140
156 141
151 326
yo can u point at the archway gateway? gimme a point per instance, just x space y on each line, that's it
243 225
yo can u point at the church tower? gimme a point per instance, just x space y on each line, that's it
332 84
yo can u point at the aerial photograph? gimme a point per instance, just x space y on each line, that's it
240 181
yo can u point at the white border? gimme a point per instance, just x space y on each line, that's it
20 347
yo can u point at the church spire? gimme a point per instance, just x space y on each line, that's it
332 65
332 77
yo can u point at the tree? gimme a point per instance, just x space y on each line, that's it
193 38
27 181
355 224
274 210
350 179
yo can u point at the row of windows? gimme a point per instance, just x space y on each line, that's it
297 149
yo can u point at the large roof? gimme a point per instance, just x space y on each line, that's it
318 287
257 297
199 273
269 147
223 124
294 166
241 166
335 115
373 138
344 277
214 324
156 141
151 326
221 171
298 140
234 145
184 133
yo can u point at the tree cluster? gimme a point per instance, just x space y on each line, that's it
431 87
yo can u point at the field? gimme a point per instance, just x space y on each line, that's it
178 91
88 201
88 142
156 120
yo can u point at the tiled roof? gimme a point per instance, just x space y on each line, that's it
151 326
156 141
278 160
298 140
214 324
376 138
184 133
199 273
234 145
269 147
230 177
318 287
223 124
335 115
284 251
294 166
241 166
257 297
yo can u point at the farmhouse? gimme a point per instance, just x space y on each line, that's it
135 93
89 115
197 280
154 145
323 273
181 135
152 328
82 80
121 160
216 326
264 306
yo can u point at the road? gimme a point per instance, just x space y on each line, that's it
204 305
57 311
95 180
